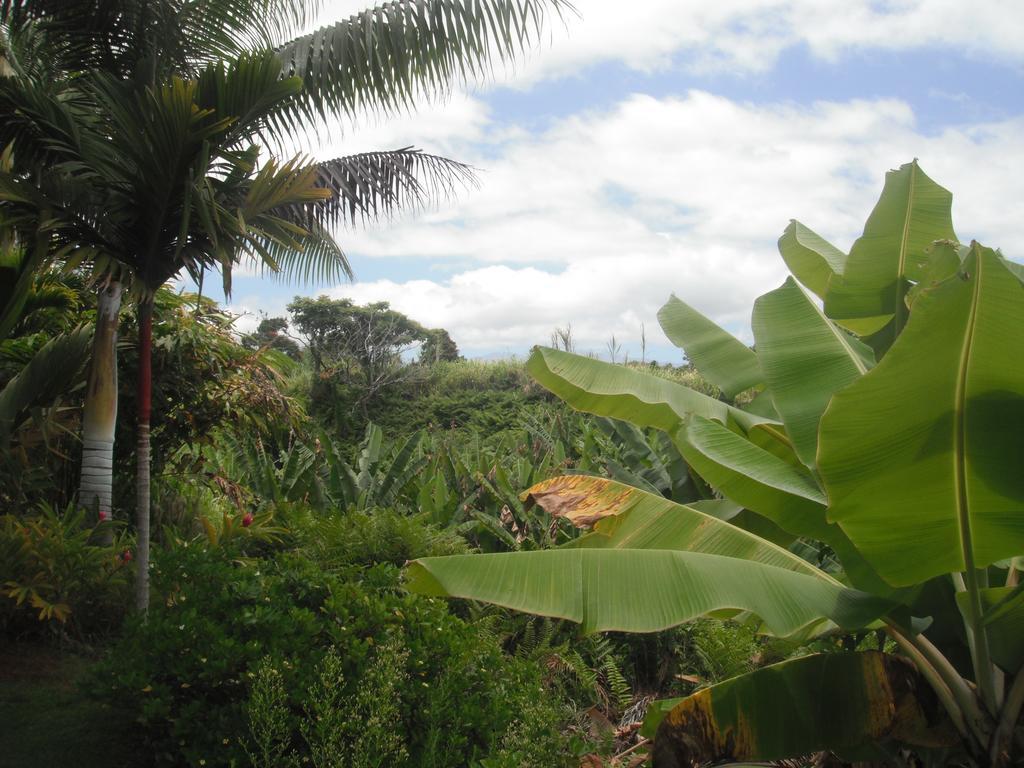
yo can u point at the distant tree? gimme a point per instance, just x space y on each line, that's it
271 333
359 345
437 347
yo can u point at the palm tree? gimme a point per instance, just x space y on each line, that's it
148 162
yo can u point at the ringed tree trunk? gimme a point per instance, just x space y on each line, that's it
142 453
99 415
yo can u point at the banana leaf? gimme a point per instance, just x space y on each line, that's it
628 518
721 358
868 297
806 358
643 590
619 392
835 702
810 258
921 456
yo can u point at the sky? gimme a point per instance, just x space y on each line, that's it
662 146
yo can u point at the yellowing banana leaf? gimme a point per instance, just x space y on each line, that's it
623 393
835 702
811 258
921 456
643 590
806 358
628 518
912 212
721 358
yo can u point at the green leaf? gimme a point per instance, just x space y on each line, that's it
921 456
628 518
823 702
642 590
810 258
388 58
753 477
721 358
806 359
52 371
773 488
912 212
623 393
1003 615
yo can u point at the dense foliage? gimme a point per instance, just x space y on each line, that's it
191 669
877 443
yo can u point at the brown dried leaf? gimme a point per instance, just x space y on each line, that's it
580 499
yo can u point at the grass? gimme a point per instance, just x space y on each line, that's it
45 720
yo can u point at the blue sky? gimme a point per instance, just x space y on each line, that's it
662 146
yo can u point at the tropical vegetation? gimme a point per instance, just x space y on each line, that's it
879 438
802 552
135 146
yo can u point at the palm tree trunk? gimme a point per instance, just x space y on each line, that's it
142 453
99 415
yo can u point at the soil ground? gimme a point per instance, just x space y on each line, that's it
47 722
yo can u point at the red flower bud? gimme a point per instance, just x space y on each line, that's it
126 556
247 520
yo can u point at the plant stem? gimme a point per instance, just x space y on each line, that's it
142 465
1011 713
984 670
935 680
965 699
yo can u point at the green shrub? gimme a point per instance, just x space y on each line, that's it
55 577
371 537
190 669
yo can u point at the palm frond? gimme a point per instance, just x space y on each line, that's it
386 58
155 40
375 184
54 369
319 260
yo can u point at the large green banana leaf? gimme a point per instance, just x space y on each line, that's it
720 357
836 702
741 517
753 477
911 214
786 495
628 518
623 393
810 258
806 358
643 590
921 457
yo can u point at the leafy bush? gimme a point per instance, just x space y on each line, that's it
370 537
190 669
53 575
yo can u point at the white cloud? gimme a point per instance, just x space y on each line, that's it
597 220
748 35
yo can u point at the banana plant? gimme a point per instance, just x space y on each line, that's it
380 475
884 419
